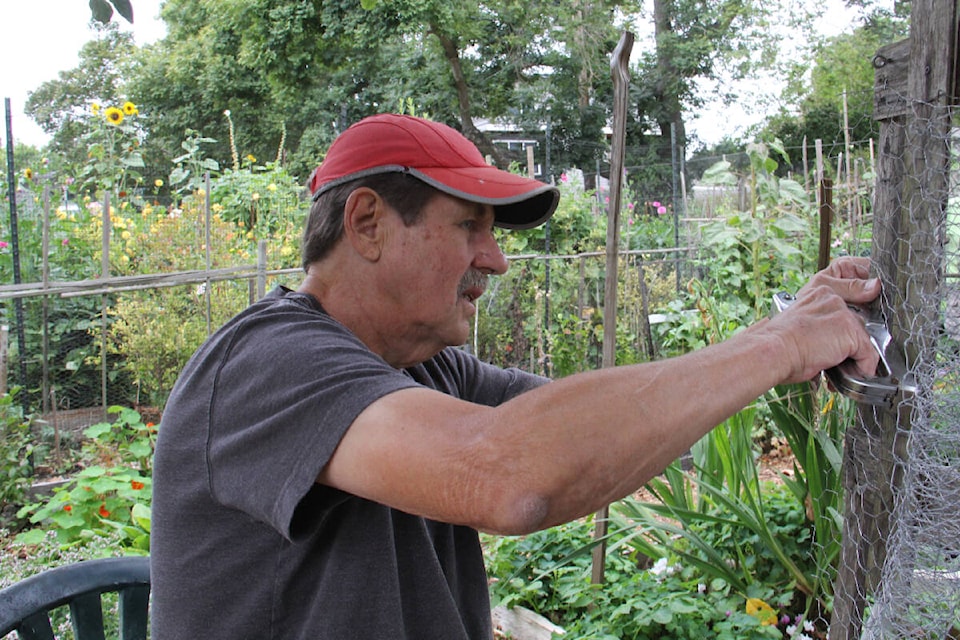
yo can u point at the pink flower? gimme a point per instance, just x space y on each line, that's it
655 204
3 245
563 177
661 210
65 241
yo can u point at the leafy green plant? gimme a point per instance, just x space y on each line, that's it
813 424
113 143
16 448
127 440
550 573
103 499
190 167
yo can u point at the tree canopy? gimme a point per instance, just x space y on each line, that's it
293 73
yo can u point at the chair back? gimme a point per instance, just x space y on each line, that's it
25 607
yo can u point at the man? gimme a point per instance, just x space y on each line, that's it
326 458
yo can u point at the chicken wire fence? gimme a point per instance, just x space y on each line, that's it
899 571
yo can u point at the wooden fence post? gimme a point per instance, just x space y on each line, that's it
621 79
914 90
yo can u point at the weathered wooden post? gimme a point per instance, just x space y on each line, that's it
621 79
914 92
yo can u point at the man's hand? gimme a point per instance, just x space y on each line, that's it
820 330
849 278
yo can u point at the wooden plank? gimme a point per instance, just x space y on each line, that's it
891 66
522 624
620 70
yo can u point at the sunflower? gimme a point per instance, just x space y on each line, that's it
28 173
114 115
130 109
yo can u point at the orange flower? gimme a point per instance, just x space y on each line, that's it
103 511
136 486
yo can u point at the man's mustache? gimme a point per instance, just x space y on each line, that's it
473 279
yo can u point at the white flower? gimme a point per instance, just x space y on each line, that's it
659 567
807 625
201 288
701 588
791 629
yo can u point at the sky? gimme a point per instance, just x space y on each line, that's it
43 37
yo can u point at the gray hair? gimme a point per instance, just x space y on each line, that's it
324 227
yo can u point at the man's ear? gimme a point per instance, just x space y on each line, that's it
363 222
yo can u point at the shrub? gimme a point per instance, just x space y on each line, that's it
15 452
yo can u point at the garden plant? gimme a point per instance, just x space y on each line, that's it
707 551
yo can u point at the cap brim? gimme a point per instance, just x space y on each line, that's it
518 202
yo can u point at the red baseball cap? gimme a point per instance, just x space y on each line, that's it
440 156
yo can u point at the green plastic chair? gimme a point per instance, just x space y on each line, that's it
25 607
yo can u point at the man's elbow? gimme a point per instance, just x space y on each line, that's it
518 513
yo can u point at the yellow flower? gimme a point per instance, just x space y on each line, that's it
761 611
114 115
250 158
255 196
130 109
158 183
95 108
271 187
28 173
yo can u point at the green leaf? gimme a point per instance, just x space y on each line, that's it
663 615
97 430
141 516
720 174
178 175
101 10
33 536
124 8
133 160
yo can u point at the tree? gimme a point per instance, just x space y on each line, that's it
693 40
311 67
842 69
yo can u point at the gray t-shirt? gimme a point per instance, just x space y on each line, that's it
245 544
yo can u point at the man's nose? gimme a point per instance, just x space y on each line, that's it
490 258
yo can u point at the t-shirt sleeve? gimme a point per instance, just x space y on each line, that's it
286 393
460 374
